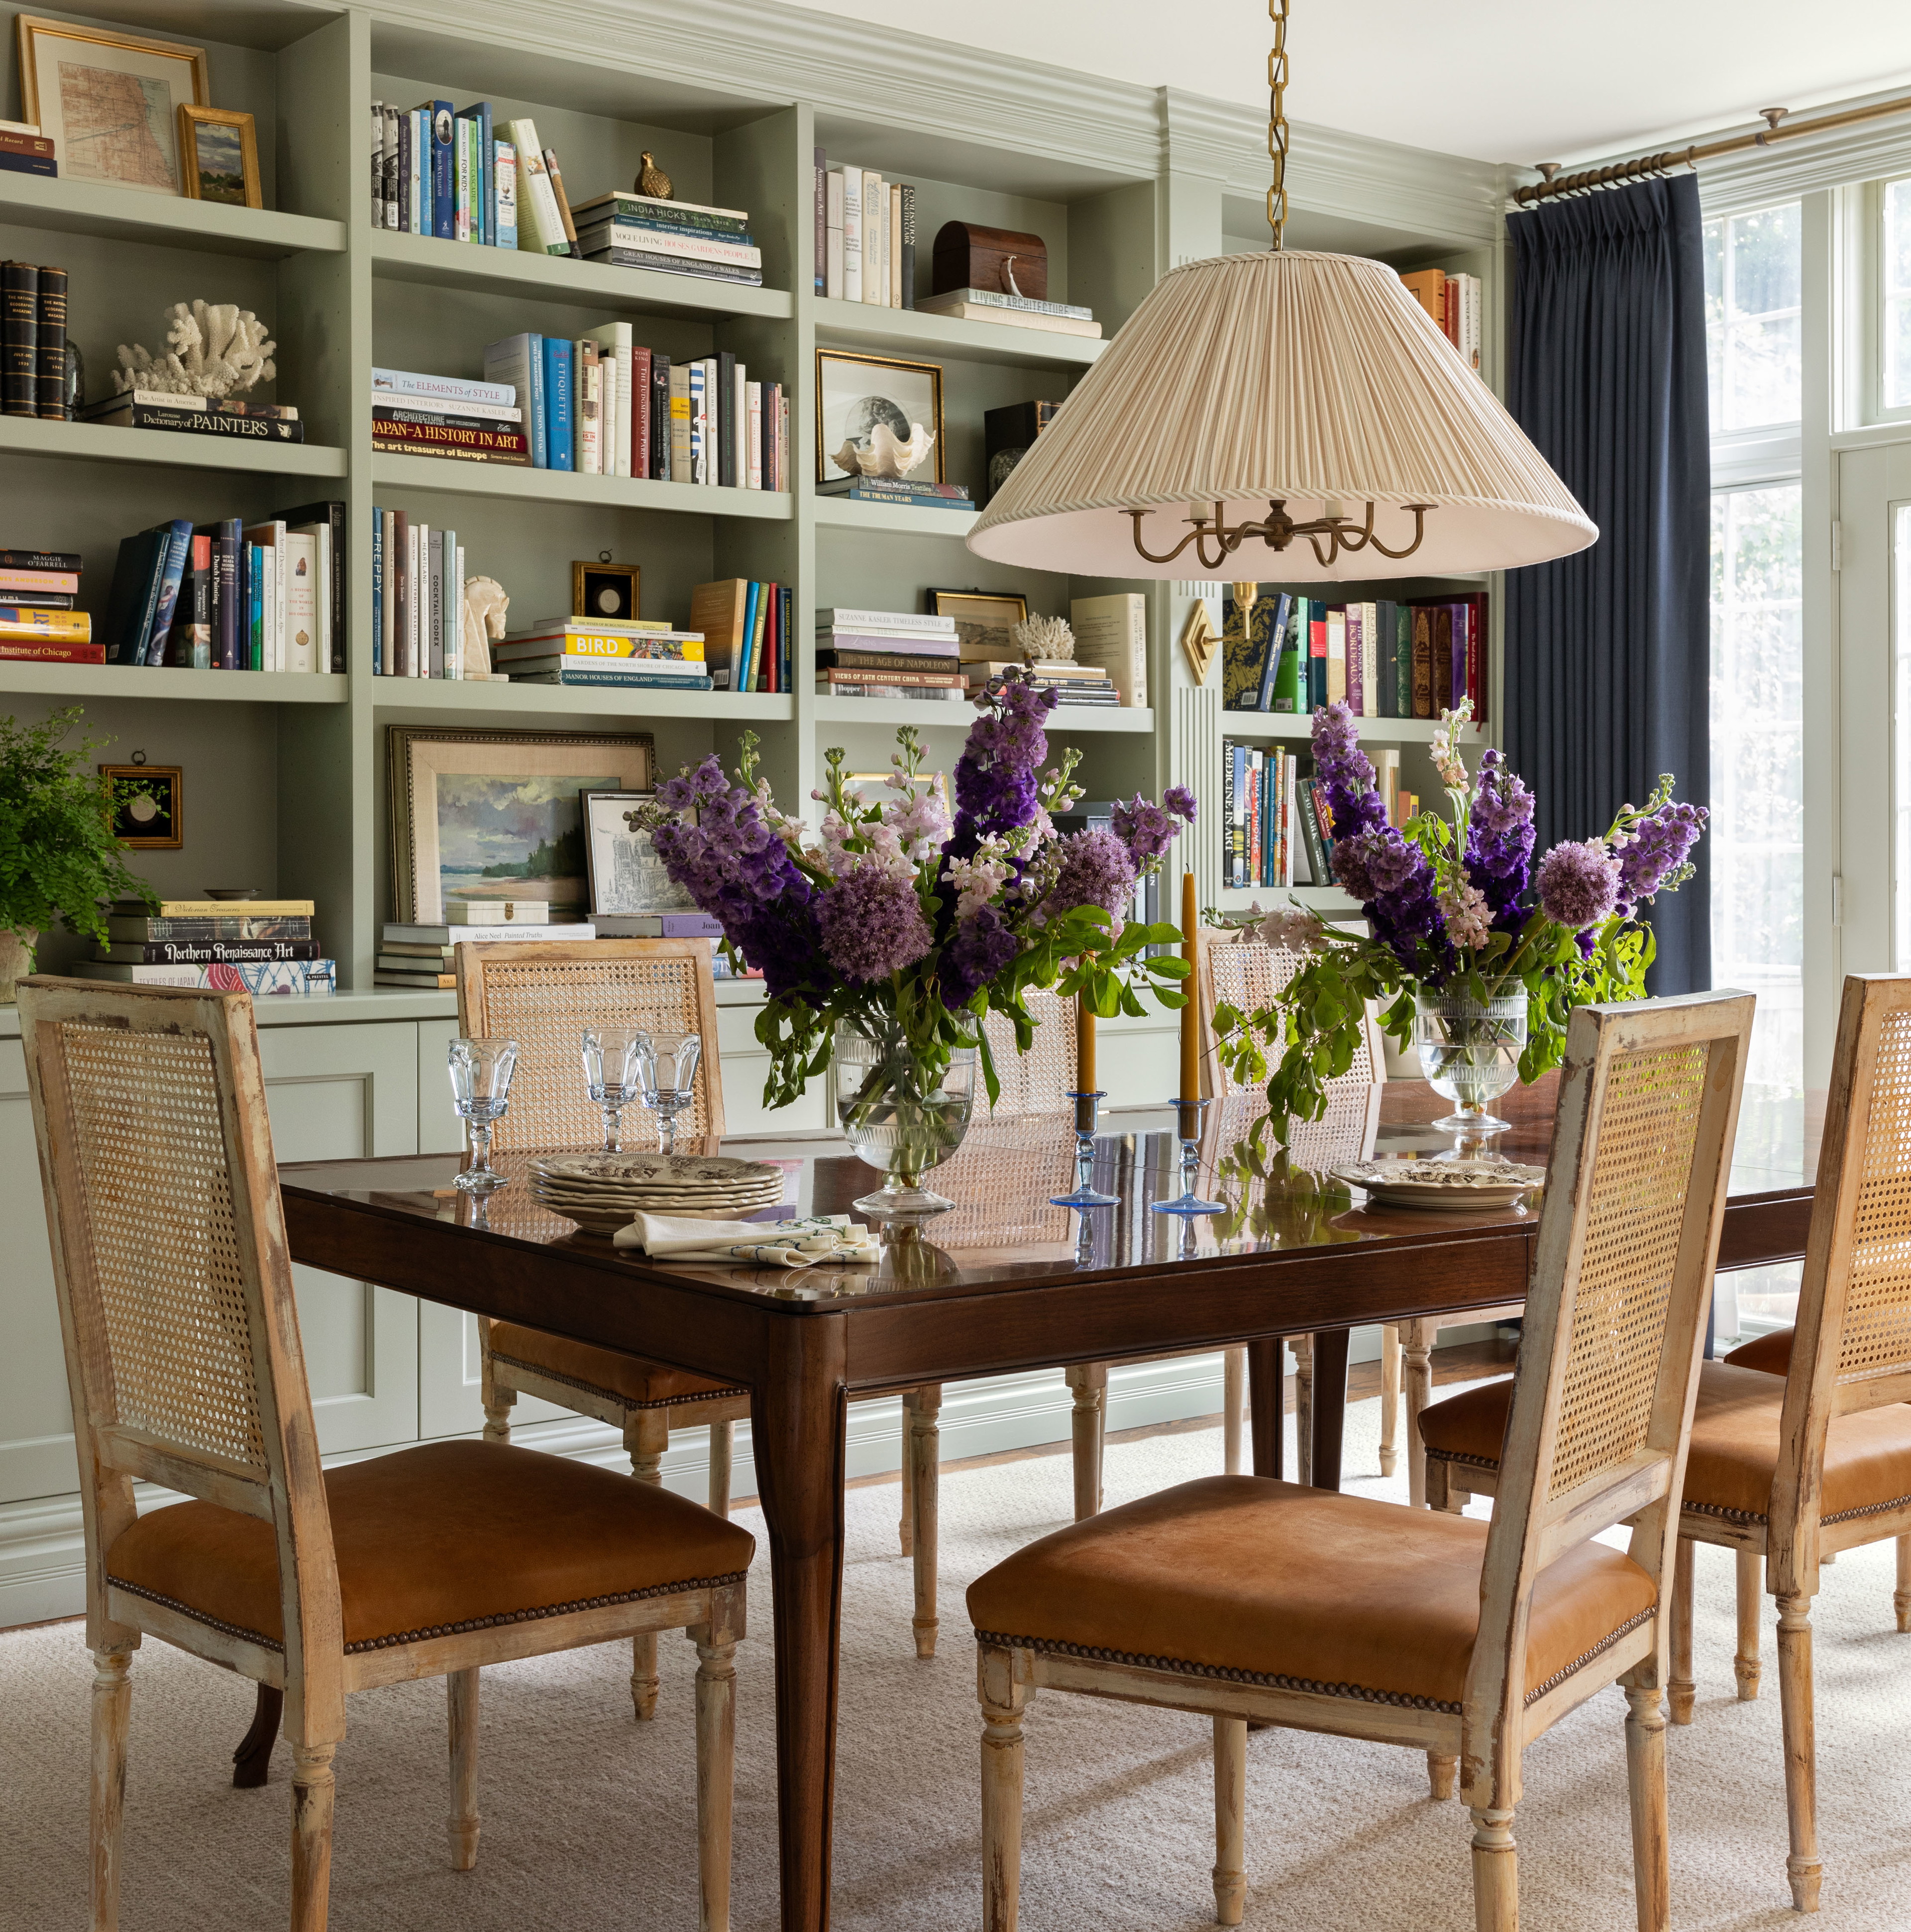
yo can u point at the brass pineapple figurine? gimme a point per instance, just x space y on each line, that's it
651 180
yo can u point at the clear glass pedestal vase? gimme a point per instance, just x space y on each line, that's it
900 1118
1470 1054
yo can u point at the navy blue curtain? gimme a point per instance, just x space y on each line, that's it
1607 652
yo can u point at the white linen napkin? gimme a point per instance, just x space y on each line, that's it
793 1244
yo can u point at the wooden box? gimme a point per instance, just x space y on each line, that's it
970 256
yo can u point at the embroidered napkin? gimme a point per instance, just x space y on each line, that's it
792 1244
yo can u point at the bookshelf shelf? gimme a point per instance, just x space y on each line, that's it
496 702
1255 725
554 278
451 476
97 681
834 513
176 449
892 712
126 214
842 325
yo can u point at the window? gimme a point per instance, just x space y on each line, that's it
1752 295
1894 279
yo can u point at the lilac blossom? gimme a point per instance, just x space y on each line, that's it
1094 868
1579 884
872 923
996 791
1499 839
1654 857
981 947
1344 775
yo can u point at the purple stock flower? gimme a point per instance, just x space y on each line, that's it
1180 802
995 786
1579 884
872 924
1344 775
1499 844
1656 858
981 947
1148 829
1095 869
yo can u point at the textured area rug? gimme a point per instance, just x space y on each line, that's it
589 1820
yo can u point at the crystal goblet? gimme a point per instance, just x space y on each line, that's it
666 1068
481 1071
611 1060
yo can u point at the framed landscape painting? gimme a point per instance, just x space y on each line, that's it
496 814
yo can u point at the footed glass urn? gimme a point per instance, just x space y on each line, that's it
900 1118
1470 1054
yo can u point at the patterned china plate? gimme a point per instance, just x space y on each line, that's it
1449 1186
589 1196
677 1171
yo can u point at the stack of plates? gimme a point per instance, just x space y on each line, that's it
1444 1183
605 1192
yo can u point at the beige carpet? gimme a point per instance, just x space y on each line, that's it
588 1820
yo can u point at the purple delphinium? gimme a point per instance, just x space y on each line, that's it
1148 829
996 792
1579 884
1656 857
981 946
872 924
1181 802
1499 841
1093 868
1344 775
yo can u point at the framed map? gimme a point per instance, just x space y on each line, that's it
110 100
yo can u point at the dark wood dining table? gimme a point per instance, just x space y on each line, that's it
1006 1282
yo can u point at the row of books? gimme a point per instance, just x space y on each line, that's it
1454 302
227 596
439 170
904 490
1275 829
865 236
196 415
26 150
607 653
424 957
1384 659
33 339
265 947
909 654
417 598
747 631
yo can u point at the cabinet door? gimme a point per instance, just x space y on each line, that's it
340 1092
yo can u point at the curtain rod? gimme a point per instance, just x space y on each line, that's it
1556 183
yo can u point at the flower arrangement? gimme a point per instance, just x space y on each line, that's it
1455 906
906 927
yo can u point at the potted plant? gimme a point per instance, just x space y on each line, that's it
58 859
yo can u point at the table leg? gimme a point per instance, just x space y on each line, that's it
797 1429
1266 1401
1330 1405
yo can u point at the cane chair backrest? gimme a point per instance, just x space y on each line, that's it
1615 1313
1852 1349
1039 1080
170 1262
544 997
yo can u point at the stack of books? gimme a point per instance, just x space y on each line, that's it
196 415
628 653
679 238
33 341
866 237
38 590
414 414
417 598
889 654
224 596
24 150
421 956
1454 302
264 947
1018 311
1073 684
897 490
746 629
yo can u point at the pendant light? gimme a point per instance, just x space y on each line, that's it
1291 416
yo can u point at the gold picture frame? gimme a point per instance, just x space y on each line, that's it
97 92
983 619
224 137
842 389
605 590
149 806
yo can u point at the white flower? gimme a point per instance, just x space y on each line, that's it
978 879
1464 908
919 820
1445 751
1290 928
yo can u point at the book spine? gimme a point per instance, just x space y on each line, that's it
226 539
50 650
444 187
25 620
434 607
427 391
559 423
1350 644
852 288
695 471
50 348
555 175
385 166
641 401
378 592
908 247
725 414
19 304
661 241
504 196
205 422
820 223
398 664
1423 661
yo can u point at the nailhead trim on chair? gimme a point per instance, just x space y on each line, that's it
1268 1681
371 1643
611 1395
1454 1455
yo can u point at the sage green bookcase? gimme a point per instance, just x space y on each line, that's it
285 774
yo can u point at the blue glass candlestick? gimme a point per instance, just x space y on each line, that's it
1086 1194
1188 1202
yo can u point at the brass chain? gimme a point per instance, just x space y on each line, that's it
1277 120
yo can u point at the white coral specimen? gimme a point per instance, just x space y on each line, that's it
213 349
1042 640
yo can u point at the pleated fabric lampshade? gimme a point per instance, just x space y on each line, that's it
1316 379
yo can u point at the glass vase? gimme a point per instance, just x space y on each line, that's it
901 1117
1470 1054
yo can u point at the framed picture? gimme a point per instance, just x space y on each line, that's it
111 99
854 393
494 814
627 878
873 788
603 589
218 155
983 619
147 805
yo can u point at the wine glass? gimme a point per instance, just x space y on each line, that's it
611 1070
666 1066
481 1072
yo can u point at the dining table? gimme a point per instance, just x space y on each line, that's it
1004 1281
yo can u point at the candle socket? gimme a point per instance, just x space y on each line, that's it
1188 1202
1086 1195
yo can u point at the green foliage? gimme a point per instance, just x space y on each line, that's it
58 859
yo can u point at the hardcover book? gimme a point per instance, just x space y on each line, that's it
483 444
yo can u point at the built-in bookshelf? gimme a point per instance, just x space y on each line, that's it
284 773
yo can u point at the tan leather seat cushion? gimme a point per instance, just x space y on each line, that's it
1735 1442
640 1383
454 1533
1770 1355
1315 1588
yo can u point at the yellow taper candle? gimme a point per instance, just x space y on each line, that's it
1084 1046
1191 1013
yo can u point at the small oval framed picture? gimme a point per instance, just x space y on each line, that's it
218 155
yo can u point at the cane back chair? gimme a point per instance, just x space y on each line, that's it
1787 1473
1249 1599
183 1355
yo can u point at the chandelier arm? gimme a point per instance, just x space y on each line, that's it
1168 556
1323 557
1419 510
